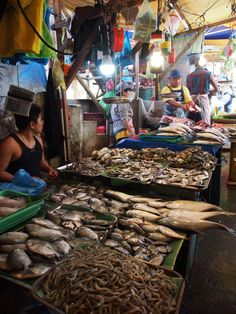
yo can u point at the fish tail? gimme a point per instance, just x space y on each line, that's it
230 230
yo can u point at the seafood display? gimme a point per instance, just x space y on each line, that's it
43 242
86 166
9 205
211 136
115 283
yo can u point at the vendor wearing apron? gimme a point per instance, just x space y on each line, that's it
177 107
198 83
122 114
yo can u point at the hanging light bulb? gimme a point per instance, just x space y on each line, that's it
107 67
157 62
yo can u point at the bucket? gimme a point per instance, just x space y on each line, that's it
171 57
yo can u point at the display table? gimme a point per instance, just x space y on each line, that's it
232 165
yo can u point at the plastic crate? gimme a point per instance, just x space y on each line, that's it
29 211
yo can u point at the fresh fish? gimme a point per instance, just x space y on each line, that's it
128 234
117 230
158 236
149 227
7 248
143 215
170 233
137 221
116 236
5 211
68 200
3 262
42 248
98 222
61 246
72 215
196 215
54 217
112 243
56 198
191 205
146 208
135 241
96 227
157 260
132 226
10 202
165 249
138 199
157 204
117 204
122 250
18 259
48 235
118 195
72 225
46 223
85 232
38 269
79 195
13 238
126 245
197 225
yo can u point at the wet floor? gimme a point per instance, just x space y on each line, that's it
212 289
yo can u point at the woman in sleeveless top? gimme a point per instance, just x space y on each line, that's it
24 149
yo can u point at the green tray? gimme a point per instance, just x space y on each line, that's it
170 260
33 206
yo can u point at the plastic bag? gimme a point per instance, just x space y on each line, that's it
145 23
126 57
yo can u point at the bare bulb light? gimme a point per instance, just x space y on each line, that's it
107 67
156 60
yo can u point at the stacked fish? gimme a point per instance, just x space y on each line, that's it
95 279
176 130
211 136
9 205
87 167
44 242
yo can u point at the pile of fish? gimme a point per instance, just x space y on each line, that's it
176 129
147 172
9 205
97 280
87 167
211 136
43 242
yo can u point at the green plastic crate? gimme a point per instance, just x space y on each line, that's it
32 208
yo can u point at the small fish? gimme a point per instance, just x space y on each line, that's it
146 208
72 215
135 241
165 249
157 260
68 200
158 204
85 232
42 248
112 243
5 211
61 246
46 223
131 226
114 236
170 233
149 227
122 250
98 222
117 204
48 235
38 269
192 206
143 215
7 248
72 225
18 259
158 236
79 195
118 195
13 238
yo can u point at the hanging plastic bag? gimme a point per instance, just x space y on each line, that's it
126 57
118 39
145 23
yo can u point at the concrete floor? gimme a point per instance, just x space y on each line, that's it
212 289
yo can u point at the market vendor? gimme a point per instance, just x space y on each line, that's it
181 105
122 114
24 149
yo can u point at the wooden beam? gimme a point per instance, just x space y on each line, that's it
182 52
179 11
82 54
57 8
87 89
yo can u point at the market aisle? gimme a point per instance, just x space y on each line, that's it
213 282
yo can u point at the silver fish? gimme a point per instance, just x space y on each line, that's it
38 269
196 215
61 246
72 215
170 233
119 195
87 233
42 248
18 259
146 208
115 236
48 235
143 215
158 236
138 199
191 205
7 248
158 204
13 238
157 260
112 243
46 223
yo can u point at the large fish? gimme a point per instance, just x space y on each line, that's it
146 208
48 235
118 195
197 225
170 233
195 215
191 205
157 204
18 259
140 199
42 248
13 238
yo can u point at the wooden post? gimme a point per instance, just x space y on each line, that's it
137 74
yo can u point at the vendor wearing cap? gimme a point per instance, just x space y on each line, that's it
177 107
122 114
